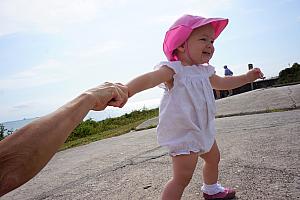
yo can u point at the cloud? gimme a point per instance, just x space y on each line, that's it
54 16
251 11
21 106
44 16
50 72
206 8
73 67
95 50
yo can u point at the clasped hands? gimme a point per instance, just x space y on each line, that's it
107 94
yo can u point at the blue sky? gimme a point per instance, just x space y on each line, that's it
51 50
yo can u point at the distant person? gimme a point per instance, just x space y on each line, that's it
187 110
24 153
228 72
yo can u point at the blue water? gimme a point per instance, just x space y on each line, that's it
14 125
98 116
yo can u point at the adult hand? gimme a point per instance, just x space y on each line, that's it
40 139
108 94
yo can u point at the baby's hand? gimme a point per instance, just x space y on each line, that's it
254 74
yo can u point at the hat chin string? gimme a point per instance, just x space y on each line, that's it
186 47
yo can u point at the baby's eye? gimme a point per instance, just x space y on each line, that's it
212 41
202 39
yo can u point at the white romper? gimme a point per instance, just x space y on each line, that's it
187 110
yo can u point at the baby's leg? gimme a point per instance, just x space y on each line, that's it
183 169
211 189
211 163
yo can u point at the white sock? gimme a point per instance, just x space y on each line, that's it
212 189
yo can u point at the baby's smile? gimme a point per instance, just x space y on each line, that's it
206 53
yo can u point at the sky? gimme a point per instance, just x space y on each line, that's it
52 50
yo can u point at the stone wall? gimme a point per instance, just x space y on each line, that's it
248 87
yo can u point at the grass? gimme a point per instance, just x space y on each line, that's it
89 131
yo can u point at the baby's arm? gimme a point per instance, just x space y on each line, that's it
150 80
231 82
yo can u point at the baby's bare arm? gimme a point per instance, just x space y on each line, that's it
149 80
231 82
227 82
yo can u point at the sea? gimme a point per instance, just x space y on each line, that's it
109 112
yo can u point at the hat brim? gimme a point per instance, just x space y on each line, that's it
218 24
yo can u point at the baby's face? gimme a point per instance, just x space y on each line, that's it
200 44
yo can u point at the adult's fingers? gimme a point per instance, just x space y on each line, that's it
102 94
124 92
120 96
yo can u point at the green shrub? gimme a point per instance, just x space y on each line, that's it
2 131
290 75
91 127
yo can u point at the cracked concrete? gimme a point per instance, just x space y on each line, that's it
290 94
260 157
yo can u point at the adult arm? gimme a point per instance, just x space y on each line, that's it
24 153
231 82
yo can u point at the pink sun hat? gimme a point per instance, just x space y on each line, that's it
180 31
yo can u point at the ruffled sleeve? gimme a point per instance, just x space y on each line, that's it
175 66
210 70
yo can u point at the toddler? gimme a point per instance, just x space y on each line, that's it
187 109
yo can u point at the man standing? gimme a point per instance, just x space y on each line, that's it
228 72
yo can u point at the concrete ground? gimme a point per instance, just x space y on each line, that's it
258 136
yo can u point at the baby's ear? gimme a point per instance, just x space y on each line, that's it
180 48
